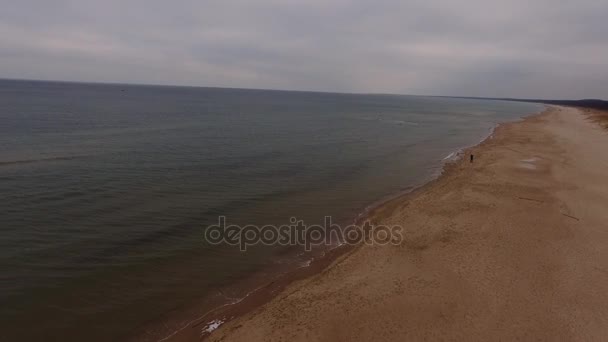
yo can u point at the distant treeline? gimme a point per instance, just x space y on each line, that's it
586 103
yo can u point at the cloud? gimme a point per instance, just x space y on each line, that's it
469 47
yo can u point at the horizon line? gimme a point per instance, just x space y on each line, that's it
286 90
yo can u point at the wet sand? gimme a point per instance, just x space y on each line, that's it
511 246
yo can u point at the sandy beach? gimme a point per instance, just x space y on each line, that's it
511 246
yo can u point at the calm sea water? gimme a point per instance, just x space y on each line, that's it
105 189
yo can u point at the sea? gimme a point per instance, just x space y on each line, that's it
106 190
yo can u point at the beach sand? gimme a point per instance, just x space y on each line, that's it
511 246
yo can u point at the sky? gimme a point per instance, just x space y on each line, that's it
491 48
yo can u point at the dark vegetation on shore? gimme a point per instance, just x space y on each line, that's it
595 108
584 103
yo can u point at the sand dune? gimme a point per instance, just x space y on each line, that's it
512 246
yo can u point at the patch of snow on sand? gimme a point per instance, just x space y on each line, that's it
528 163
211 326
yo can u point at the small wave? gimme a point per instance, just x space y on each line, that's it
29 161
401 122
453 155
449 156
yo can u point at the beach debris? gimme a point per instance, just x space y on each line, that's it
572 217
531 199
512 149
211 326
529 163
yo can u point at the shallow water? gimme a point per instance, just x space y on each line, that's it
105 189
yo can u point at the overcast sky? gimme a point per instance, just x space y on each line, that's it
518 48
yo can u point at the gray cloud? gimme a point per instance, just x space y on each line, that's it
468 47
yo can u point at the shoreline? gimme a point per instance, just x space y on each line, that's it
505 248
202 327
